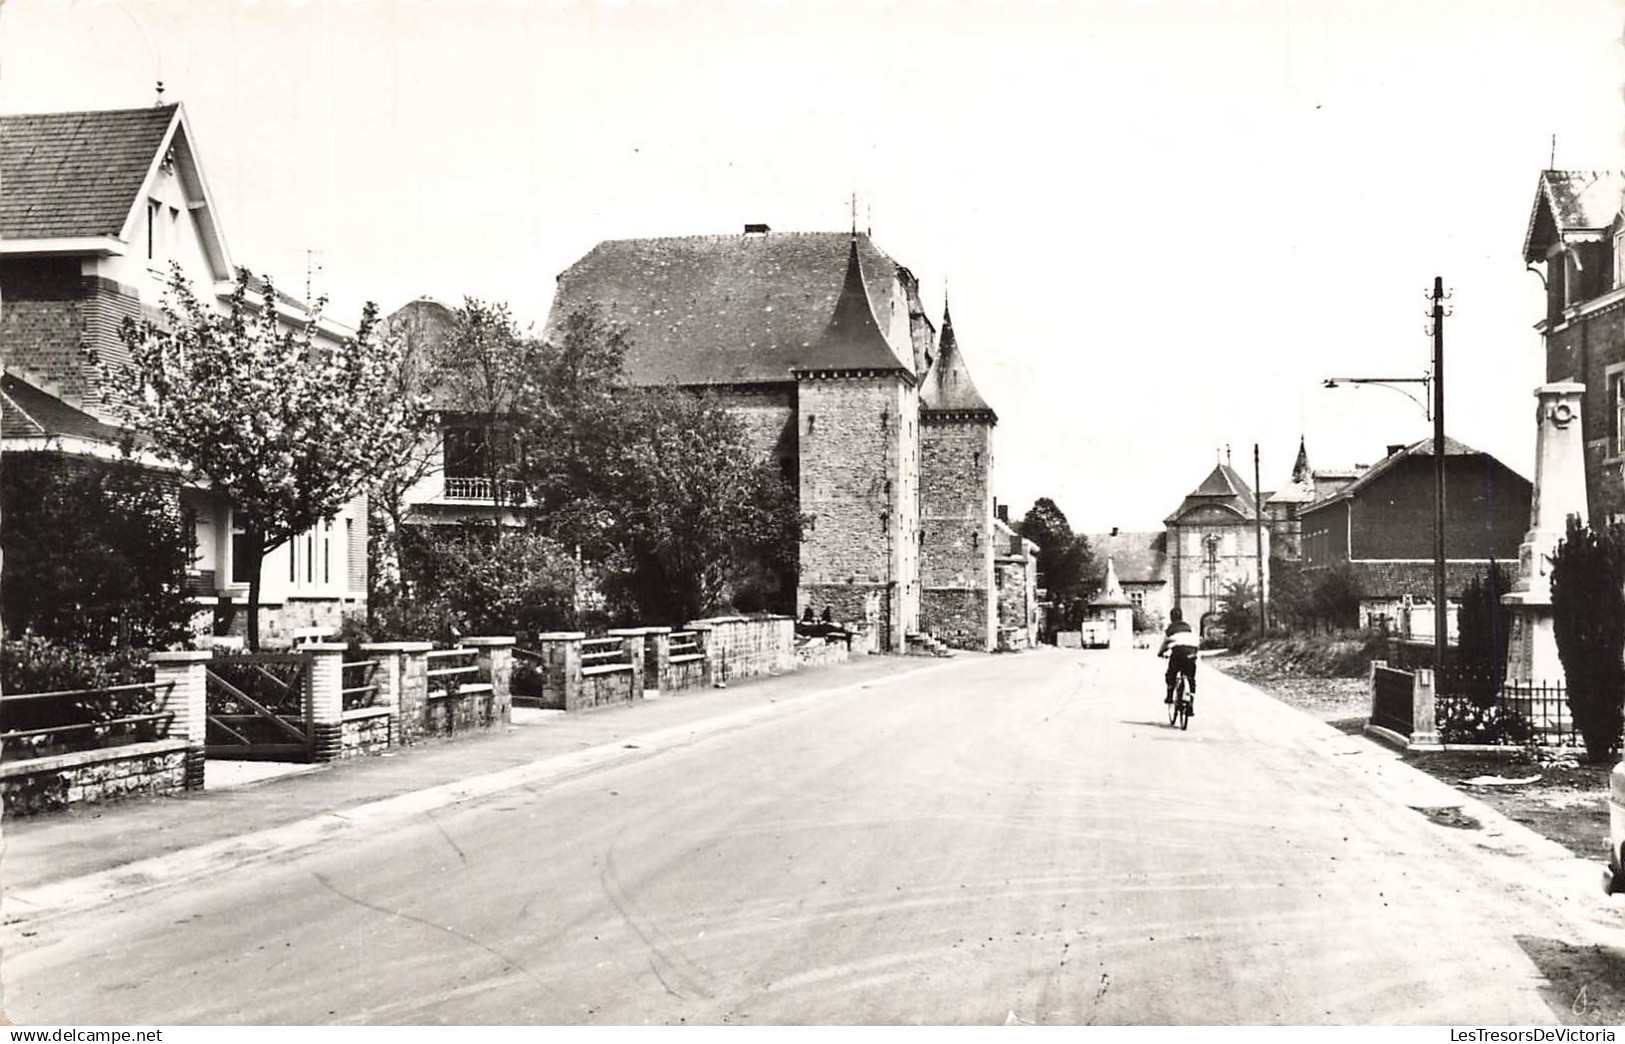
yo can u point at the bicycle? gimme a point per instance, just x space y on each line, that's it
1179 711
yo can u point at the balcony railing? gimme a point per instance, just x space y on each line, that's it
458 488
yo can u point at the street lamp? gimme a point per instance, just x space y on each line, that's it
1433 382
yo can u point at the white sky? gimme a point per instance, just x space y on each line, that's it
1163 222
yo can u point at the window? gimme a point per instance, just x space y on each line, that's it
1614 381
812 421
241 567
155 212
327 552
1616 385
1137 597
1619 258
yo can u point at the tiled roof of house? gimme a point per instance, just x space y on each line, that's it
26 412
727 309
948 388
1571 201
1139 558
1422 448
1379 580
1223 487
72 174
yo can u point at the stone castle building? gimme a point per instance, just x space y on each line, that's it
820 343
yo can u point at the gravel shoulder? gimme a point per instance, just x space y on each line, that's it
1557 796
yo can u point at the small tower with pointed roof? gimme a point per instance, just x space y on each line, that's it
1283 507
959 597
857 412
1112 612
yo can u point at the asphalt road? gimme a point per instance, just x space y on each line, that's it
1013 839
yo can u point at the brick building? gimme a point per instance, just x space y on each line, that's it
96 207
819 342
1576 240
1381 524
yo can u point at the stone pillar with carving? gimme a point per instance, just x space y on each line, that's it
1560 492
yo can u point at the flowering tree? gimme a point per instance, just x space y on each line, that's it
282 423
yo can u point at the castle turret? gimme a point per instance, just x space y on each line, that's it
959 598
858 405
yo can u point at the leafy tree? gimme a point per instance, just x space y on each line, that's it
575 418
283 424
693 508
95 553
1066 565
1588 617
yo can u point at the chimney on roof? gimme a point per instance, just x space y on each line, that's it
1002 512
756 230
1395 447
1114 531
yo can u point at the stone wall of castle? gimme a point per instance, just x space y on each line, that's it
958 603
859 485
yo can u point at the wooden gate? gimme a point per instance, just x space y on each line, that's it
257 708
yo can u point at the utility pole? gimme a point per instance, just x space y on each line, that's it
1441 615
1258 531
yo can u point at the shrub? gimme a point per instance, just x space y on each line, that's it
478 579
1588 616
1238 612
95 553
1469 721
1481 650
34 664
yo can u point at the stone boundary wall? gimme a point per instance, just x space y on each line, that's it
820 653
366 731
50 784
741 647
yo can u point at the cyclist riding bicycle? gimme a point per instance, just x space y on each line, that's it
1179 644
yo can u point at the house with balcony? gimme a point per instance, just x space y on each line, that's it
97 206
464 467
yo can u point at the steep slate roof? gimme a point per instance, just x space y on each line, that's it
1223 487
726 309
1422 448
1140 558
852 340
26 412
1301 490
1111 593
73 174
1569 202
948 388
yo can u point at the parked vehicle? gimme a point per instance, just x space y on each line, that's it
1613 876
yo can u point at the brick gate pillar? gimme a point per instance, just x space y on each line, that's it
324 698
181 689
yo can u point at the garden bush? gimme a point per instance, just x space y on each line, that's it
1588 617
